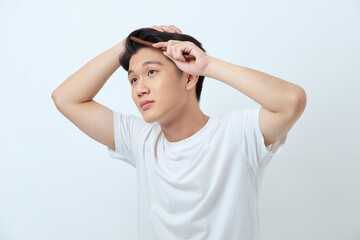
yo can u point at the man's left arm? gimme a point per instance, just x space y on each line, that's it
282 102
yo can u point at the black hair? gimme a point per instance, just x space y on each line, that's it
152 35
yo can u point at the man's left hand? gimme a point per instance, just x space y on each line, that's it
175 50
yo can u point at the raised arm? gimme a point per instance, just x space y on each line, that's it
74 97
282 102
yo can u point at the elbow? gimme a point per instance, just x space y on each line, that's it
53 95
56 97
299 100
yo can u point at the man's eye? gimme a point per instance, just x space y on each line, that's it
152 70
136 79
132 80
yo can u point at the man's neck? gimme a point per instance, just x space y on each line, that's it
189 122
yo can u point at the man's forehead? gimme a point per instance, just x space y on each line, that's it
147 63
145 57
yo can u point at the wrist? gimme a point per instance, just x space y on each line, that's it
209 69
122 46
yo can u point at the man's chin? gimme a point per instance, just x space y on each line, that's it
149 119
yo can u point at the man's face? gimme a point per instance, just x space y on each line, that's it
154 78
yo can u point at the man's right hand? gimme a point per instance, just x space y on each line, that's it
162 28
170 29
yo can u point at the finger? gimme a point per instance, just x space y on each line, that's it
173 58
157 28
178 53
169 55
169 48
179 56
174 52
176 29
169 29
166 54
160 44
174 49
173 28
163 27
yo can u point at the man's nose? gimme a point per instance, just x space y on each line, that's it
142 88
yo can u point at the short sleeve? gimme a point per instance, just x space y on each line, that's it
252 140
127 129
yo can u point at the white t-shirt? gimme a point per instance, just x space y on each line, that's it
203 187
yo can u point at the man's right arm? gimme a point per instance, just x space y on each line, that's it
74 97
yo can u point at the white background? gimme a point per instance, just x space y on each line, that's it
58 183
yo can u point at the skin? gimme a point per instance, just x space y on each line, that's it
175 105
282 102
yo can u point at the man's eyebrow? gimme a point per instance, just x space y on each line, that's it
146 63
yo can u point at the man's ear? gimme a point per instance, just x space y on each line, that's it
191 81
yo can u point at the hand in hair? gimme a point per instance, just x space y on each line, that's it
175 50
161 28
170 29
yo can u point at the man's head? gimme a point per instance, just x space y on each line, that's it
161 81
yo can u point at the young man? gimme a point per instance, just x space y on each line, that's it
198 176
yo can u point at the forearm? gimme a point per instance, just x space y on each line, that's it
273 93
83 85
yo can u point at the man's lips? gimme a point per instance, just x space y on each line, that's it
145 104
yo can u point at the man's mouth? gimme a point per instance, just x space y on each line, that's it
146 104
